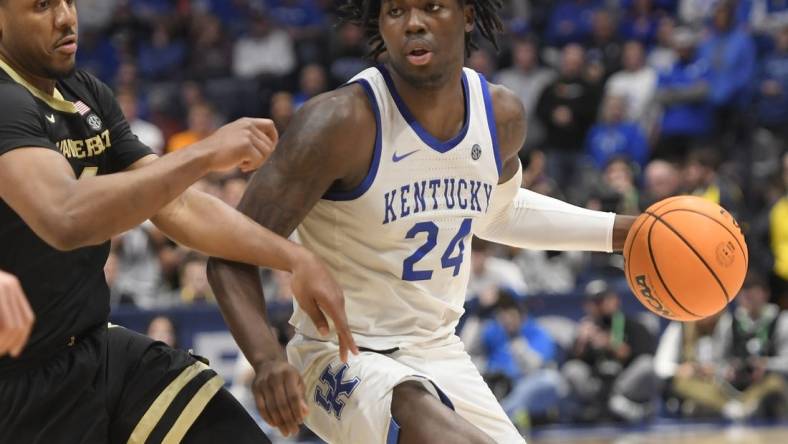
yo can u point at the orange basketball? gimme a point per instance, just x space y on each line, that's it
685 258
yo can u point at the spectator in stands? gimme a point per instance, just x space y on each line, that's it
730 52
661 179
282 110
265 51
685 362
521 353
139 270
163 56
194 286
570 21
619 176
489 271
148 133
778 241
611 366
567 108
753 352
696 13
482 61
312 81
347 53
603 51
162 328
636 83
662 55
527 79
640 23
210 52
772 87
614 136
683 92
202 123
702 178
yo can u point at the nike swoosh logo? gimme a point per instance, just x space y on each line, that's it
51 118
396 158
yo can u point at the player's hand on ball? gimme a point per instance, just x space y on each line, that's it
245 143
16 316
279 394
319 295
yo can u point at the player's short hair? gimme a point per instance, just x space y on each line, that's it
365 13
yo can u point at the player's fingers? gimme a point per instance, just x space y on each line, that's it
263 409
287 414
7 333
318 318
19 324
294 390
336 311
25 322
272 405
268 127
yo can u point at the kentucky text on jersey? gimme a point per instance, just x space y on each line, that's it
80 149
436 194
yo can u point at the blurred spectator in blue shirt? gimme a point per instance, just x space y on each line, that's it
640 23
519 349
730 53
683 93
614 136
570 21
603 51
163 55
772 86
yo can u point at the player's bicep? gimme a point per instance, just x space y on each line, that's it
511 127
34 182
323 145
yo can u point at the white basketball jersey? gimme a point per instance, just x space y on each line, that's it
399 244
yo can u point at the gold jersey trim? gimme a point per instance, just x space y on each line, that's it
193 410
55 100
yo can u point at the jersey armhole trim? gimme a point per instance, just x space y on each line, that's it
489 110
373 167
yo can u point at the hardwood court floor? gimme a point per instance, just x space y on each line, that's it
675 435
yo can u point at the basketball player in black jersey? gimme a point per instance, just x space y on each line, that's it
71 176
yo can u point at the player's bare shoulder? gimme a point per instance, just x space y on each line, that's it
510 120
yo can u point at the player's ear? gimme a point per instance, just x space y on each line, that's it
470 16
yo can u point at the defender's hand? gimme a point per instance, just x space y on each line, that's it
16 316
279 394
246 143
318 294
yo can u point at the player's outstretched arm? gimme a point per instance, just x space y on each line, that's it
525 219
16 317
328 142
40 185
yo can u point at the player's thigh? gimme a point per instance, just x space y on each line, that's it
60 400
451 368
349 403
224 417
156 393
421 417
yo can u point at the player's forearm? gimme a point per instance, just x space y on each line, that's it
239 293
227 233
97 208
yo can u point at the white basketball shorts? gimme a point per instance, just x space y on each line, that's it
351 403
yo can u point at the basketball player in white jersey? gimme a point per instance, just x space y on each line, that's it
387 179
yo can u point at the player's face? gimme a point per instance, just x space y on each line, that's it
40 35
425 39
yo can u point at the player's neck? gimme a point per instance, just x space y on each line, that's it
423 102
44 84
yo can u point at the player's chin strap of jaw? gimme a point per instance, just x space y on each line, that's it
524 219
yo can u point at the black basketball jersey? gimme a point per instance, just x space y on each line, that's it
83 122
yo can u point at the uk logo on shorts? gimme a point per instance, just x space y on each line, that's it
334 388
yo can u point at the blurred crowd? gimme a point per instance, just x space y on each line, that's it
629 102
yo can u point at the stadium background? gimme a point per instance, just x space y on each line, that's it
629 101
